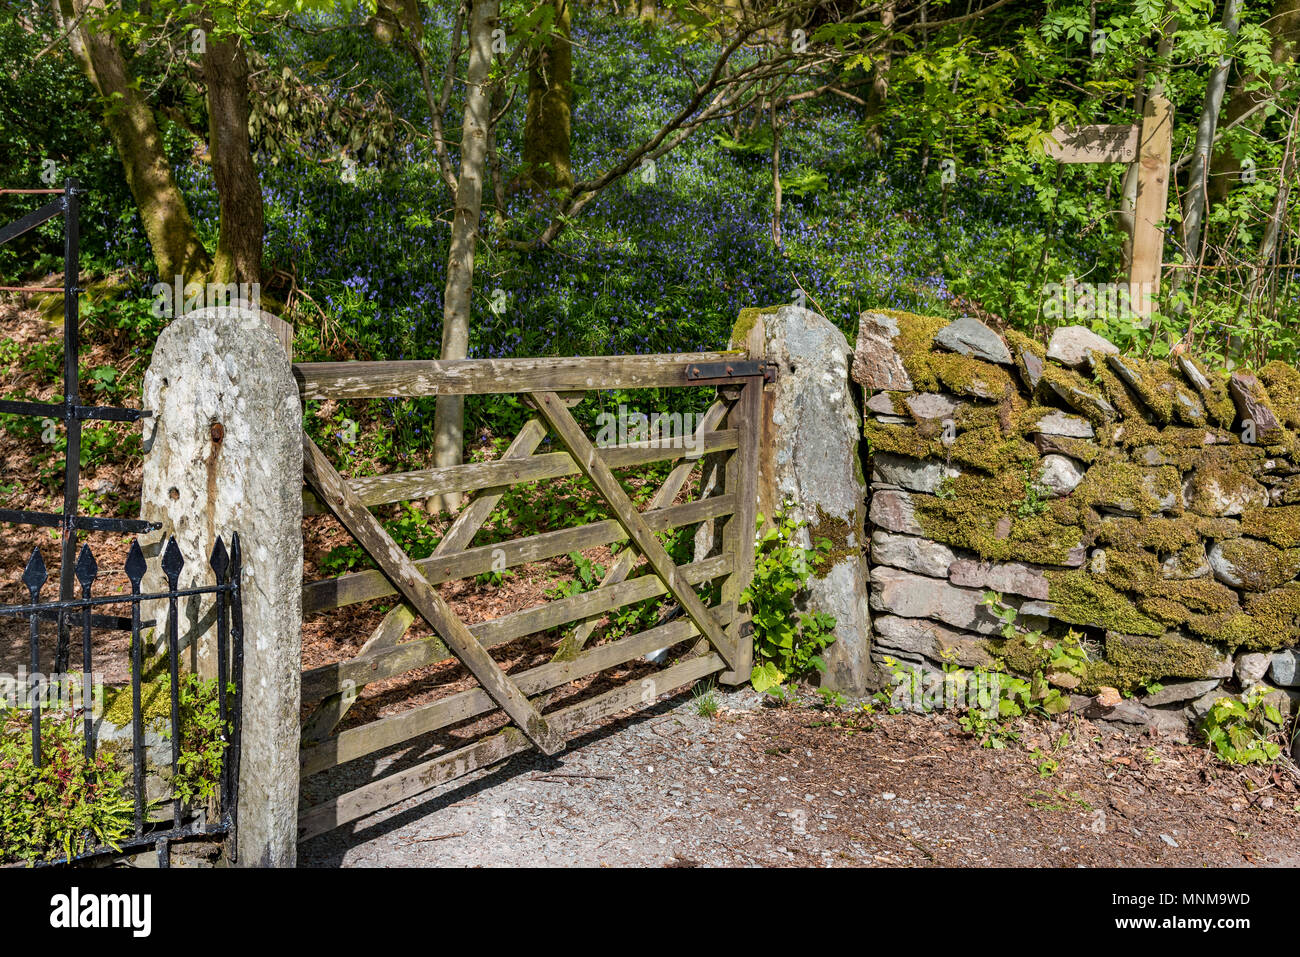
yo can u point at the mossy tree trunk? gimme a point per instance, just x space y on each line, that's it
550 94
225 73
449 415
176 248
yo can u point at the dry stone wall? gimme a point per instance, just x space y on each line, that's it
1151 505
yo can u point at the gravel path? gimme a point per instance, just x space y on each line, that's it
756 785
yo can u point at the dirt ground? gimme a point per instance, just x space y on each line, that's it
763 786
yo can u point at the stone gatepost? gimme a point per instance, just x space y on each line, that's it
223 454
809 462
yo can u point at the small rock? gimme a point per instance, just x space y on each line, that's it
1251 668
1060 474
1168 840
1169 724
882 403
933 405
1107 697
1285 668
1070 345
970 337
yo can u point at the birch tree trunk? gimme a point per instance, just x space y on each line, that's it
449 417
1247 96
176 248
1196 199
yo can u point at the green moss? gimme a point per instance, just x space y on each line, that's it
1161 534
1130 488
1138 658
1016 655
745 321
1153 383
981 515
1081 598
1283 385
1259 565
839 533
1277 614
155 696
1212 482
1279 524
985 449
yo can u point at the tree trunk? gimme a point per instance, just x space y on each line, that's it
1196 199
449 418
239 246
1284 25
134 130
880 81
550 93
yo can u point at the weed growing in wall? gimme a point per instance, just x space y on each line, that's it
788 643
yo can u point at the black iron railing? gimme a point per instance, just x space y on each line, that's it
230 667
69 410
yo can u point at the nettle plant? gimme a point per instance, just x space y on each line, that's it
1244 731
788 643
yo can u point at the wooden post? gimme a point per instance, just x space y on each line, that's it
1154 151
740 477
1148 147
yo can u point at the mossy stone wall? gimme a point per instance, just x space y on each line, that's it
1156 503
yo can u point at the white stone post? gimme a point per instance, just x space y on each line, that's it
223 454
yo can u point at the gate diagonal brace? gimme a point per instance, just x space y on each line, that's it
406 577
594 467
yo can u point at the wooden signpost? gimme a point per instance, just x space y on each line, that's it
1149 145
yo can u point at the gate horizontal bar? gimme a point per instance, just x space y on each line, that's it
365 585
83 523
55 410
426 377
368 738
503 473
408 655
110 622
453 764
34 219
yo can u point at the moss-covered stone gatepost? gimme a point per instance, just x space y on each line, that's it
810 469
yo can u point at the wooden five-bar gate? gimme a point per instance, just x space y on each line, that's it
728 434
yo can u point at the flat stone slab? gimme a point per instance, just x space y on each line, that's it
1070 426
1179 691
970 337
910 553
876 362
1008 577
932 640
917 475
915 596
1070 345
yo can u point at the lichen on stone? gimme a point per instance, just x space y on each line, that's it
1081 598
981 515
